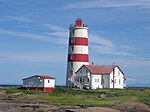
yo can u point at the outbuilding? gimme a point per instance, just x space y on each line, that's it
39 82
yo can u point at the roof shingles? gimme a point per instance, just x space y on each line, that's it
94 69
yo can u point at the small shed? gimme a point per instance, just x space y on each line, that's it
39 82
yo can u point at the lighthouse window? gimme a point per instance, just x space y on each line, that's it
71 56
71 48
73 32
71 64
71 72
72 40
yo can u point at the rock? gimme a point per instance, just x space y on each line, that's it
132 107
93 109
102 96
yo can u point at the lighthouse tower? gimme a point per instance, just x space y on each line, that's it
77 50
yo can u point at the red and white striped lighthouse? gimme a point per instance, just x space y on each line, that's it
77 49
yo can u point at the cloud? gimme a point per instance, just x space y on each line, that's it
16 18
33 36
109 4
53 27
138 81
34 57
58 32
63 34
127 62
100 45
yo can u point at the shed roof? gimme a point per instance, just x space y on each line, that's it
41 76
95 69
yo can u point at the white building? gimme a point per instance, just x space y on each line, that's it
39 82
93 77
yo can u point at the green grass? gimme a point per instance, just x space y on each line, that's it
73 97
11 90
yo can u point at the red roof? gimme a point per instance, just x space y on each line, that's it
41 76
94 69
69 76
46 77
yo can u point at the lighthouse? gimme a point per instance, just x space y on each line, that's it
77 50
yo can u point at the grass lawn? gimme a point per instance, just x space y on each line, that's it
73 97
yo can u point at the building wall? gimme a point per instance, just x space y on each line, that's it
83 77
83 71
106 80
49 82
96 81
76 66
118 79
101 81
33 82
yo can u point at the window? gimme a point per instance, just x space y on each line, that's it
73 32
118 73
119 81
71 64
80 79
96 80
83 80
71 56
72 40
86 71
71 72
48 81
88 80
80 71
71 48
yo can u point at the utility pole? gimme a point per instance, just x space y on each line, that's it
113 78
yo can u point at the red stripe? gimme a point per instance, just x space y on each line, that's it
46 89
78 58
78 41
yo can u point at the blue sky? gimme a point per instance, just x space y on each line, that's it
34 37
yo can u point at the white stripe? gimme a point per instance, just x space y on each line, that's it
78 49
81 33
76 66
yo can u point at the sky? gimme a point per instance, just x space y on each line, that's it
34 37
